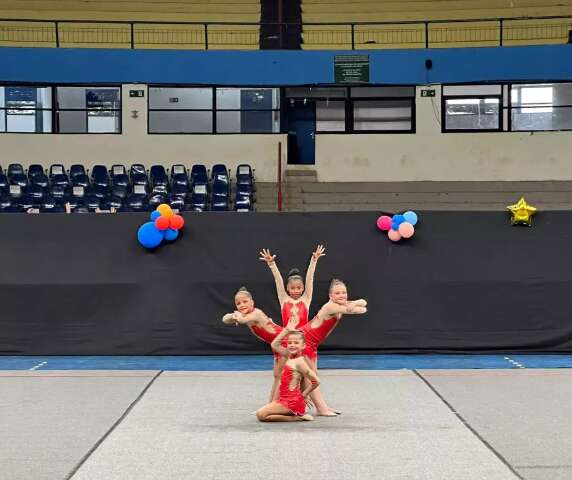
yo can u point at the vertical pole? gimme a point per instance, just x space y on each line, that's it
501 31
57 34
353 36
206 36
426 34
132 35
279 176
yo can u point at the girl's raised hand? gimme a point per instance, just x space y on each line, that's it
320 252
266 256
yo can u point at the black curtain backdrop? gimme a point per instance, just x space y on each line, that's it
467 282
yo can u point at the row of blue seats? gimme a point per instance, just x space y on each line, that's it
125 192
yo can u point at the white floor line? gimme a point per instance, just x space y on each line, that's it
39 365
516 364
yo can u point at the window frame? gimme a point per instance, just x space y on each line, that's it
4 109
214 110
54 110
510 106
444 99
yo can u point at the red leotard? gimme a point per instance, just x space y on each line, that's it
267 336
302 313
315 336
291 399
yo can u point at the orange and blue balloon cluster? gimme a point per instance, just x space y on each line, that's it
399 226
164 225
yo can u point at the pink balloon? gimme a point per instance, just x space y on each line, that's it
406 230
394 235
384 223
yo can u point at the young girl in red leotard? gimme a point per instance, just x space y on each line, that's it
259 324
290 406
296 294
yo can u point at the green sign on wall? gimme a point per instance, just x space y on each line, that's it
351 68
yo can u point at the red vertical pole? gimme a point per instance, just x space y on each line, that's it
279 176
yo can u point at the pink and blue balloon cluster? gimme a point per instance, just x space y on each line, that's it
399 226
164 225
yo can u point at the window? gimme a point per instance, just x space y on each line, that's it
469 108
541 107
88 109
25 109
192 110
359 109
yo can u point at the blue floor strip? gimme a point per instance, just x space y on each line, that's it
264 362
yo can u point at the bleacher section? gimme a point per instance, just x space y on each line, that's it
126 190
443 34
150 34
303 193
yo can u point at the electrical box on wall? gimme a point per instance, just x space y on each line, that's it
136 93
427 93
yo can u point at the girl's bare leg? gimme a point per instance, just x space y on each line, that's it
274 391
276 412
322 407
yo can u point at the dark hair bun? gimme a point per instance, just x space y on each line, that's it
293 272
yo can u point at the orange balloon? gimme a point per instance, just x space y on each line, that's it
406 230
394 235
176 222
165 210
162 223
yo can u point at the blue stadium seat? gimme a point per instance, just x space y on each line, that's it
136 203
119 176
157 199
177 202
35 191
198 200
58 175
245 176
97 190
16 175
220 172
51 205
119 191
112 202
3 183
180 190
242 204
27 201
198 169
159 179
100 176
92 202
58 191
138 174
78 176
220 195
15 191
37 176
5 202
179 176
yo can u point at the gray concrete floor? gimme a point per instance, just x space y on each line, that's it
426 425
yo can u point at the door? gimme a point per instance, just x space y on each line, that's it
301 132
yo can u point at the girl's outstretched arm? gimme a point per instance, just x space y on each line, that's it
356 307
309 284
270 261
313 380
277 343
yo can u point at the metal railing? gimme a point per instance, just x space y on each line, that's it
358 35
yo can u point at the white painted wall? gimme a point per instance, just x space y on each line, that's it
134 145
432 155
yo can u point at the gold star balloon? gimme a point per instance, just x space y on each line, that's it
521 213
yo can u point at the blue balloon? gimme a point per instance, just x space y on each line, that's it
155 215
394 226
149 236
410 217
170 234
399 219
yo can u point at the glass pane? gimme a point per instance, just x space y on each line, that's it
248 122
357 92
2 120
330 116
180 122
546 118
31 121
247 98
382 115
180 98
88 97
472 114
541 94
72 121
103 121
